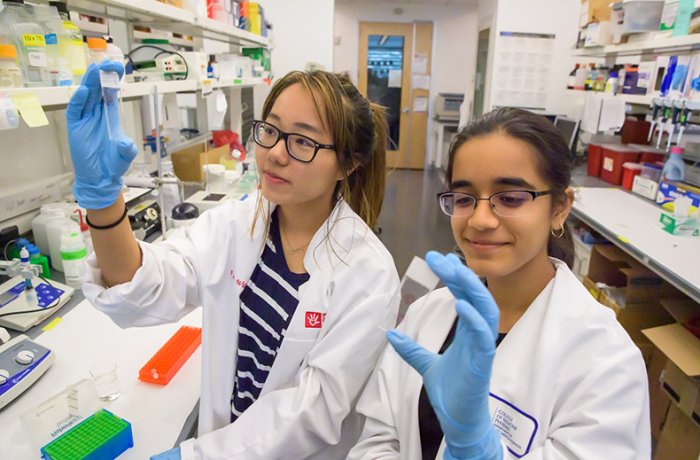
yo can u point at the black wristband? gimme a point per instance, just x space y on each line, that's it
107 227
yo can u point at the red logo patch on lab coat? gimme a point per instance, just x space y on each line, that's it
314 319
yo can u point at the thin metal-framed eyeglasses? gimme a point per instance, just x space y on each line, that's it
301 148
509 203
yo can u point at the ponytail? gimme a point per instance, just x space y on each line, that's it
359 130
363 189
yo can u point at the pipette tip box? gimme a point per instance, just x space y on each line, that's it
101 436
165 363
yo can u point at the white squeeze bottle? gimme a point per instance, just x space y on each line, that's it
73 255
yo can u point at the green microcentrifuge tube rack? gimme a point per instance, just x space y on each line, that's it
101 436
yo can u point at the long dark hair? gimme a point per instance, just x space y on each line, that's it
555 161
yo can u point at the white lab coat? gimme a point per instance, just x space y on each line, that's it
567 382
306 408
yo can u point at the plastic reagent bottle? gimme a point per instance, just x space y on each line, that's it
28 37
674 168
73 255
36 258
75 47
98 49
57 45
24 263
10 73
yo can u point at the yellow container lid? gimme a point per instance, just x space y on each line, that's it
97 43
8 51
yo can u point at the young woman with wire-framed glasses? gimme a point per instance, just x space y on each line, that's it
528 365
292 281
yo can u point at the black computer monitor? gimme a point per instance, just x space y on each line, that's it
569 129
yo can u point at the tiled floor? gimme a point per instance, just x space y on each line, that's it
411 220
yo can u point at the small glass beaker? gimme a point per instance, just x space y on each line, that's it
104 376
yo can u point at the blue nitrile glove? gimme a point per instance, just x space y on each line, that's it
457 382
172 454
99 162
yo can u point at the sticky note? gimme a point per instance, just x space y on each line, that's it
30 109
52 324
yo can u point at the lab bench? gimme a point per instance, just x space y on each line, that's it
161 417
632 223
85 337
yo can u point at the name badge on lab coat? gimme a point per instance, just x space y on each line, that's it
517 428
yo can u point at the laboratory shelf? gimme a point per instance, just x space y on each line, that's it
637 99
241 82
57 97
141 35
152 13
53 97
660 45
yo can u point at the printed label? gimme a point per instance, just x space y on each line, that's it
33 40
37 59
608 164
314 319
517 428
51 39
109 79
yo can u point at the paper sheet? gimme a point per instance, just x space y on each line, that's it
420 104
30 109
420 64
395 76
421 82
612 114
521 69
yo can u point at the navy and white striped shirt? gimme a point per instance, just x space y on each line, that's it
268 302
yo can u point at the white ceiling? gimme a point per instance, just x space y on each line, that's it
413 2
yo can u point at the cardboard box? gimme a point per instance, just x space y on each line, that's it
680 438
592 288
680 376
659 401
613 267
594 10
682 389
188 162
669 191
636 316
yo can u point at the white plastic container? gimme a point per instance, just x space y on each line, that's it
39 224
10 73
73 255
642 16
54 230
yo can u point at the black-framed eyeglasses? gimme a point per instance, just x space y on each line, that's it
301 148
510 203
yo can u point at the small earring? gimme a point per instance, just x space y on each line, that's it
559 234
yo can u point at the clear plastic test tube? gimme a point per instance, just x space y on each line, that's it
110 84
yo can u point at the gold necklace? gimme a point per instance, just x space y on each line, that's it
291 251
